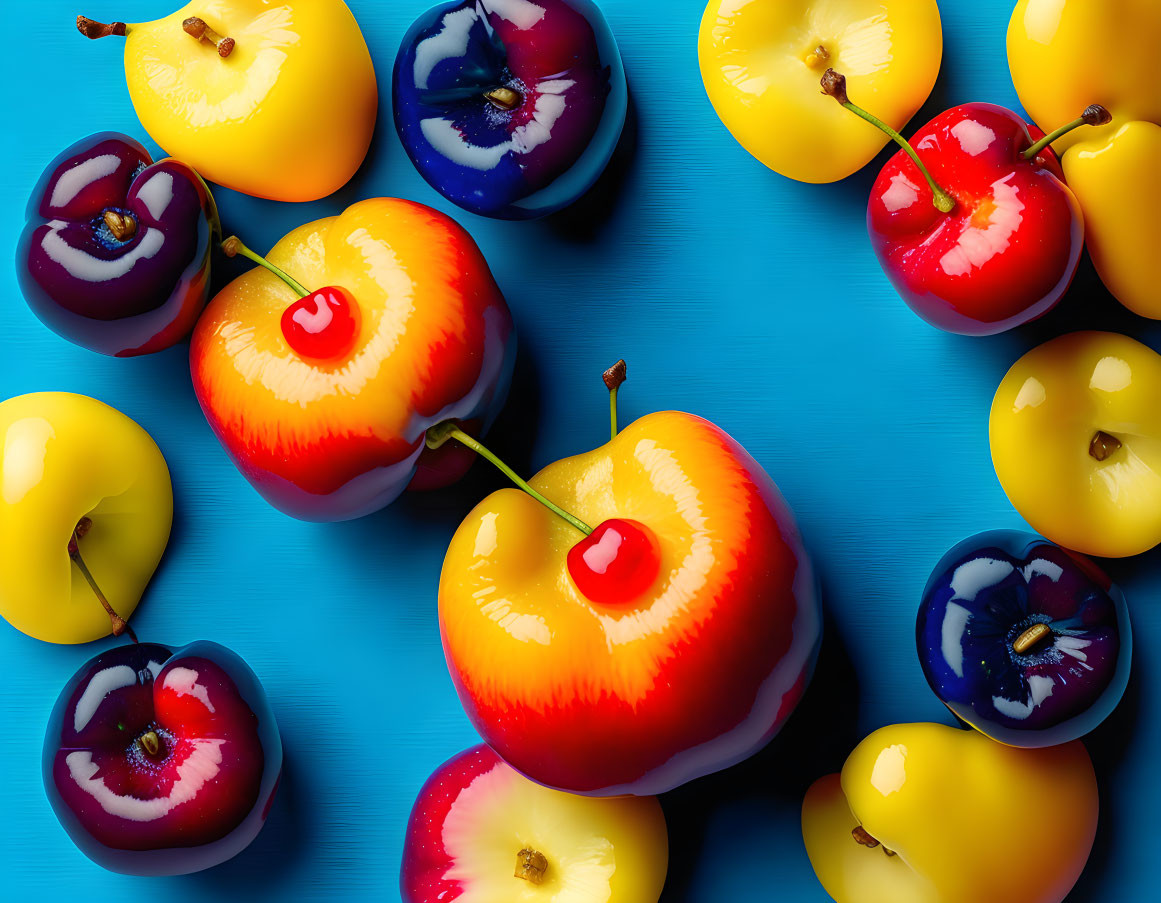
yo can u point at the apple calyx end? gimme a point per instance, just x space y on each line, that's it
1030 638
863 838
1103 445
92 29
122 225
150 743
531 865
197 29
817 57
504 98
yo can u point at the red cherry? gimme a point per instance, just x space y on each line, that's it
322 326
615 563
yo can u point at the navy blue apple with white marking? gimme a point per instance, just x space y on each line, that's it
510 108
1025 641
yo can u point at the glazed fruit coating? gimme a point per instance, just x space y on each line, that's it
159 762
983 597
564 114
120 296
695 674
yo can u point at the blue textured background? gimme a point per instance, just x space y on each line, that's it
735 294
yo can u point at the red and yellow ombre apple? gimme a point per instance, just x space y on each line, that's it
691 669
412 330
482 833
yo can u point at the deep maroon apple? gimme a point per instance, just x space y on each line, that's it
115 253
159 762
1026 642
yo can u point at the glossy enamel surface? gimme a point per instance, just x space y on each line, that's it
336 439
761 72
1066 54
1045 414
196 801
287 116
119 297
64 457
475 813
697 673
561 62
1006 253
981 597
968 819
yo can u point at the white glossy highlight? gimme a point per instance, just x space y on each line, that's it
104 682
889 773
955 619
75 180
25 451
977 245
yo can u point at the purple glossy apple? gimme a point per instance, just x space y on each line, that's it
115 252
159 762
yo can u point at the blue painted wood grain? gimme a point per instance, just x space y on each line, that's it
735 294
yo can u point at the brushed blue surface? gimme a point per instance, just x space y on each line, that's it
735 294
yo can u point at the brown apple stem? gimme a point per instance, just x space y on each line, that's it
122 225
120 625
859 833
1031 638
1103 445
614 378
93 29
198 29
531 865
504 98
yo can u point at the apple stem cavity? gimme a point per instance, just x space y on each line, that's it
93 29
198 29
122 225
120 625
614 378
504 99
834 84
442 432
233 246
1094 114
1103 446
531 865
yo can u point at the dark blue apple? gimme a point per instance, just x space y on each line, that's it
510 108
1026 642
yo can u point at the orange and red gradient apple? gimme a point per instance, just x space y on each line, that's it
321 370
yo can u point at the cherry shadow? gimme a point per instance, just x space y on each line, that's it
815 741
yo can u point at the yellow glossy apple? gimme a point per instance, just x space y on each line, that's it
66 458
287 113
925 813
761 62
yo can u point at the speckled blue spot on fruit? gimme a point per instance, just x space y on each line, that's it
559 59
983 598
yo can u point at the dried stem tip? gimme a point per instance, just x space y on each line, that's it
1095 114
616 375
197 28
531 865
834 84
861 836
93 29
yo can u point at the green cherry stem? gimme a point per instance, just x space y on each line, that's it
1093 114
233 246
120 625
441 432
834 84
614 378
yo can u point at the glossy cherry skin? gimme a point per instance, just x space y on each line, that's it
323 325
1006 253
982 596
201 796
562 63
616 562
119 297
